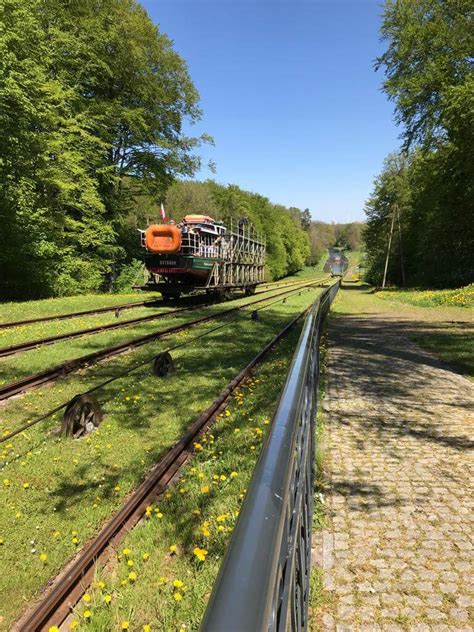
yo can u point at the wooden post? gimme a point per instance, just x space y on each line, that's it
388 249
402 259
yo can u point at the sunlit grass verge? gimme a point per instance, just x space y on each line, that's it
25 310
35 360
461 297
55 493
164 570
456 347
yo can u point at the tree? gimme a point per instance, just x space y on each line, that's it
92 97
428 69
427 64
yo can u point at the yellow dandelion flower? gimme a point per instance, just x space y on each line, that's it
125 624
221 518
26 485
178 583
132 576
196 512
200 553
73 625
126 551
147 628
43 557
201 475
100 585
117 488
130 562
74 540
233 474
223 477
197 446
177 596
145 556
86 598
53 628
173 548
87 614
205 489
107 598
6 482
56 534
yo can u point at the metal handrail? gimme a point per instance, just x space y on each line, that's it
263 582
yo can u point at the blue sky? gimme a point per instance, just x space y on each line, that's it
289 94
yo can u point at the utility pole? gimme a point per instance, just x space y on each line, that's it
388 249
402 260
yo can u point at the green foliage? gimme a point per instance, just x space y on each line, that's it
428 63
287 242
91 95
130 274
428 68
323 236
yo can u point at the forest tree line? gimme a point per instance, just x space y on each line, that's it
93 100
425 193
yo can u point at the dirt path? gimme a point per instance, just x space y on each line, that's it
397 549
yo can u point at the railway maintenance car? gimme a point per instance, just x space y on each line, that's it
202 254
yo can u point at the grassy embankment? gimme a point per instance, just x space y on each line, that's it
440 321
15 367
56 492
12 311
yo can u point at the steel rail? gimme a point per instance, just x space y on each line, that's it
91 312
40 342
263 582
53 373
87 312
95 388
66 589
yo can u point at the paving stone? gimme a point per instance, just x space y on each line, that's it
397 543
459 614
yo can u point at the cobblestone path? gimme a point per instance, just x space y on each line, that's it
397 548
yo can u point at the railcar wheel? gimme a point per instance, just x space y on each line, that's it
82 415
250 290
163 364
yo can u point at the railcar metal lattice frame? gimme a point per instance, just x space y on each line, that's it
235 260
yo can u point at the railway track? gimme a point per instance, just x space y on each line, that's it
87 312
53 373
40 342
91 312
67 588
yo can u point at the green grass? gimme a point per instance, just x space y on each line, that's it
461 297
35 360
199 511
53 306
456 347
74 486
